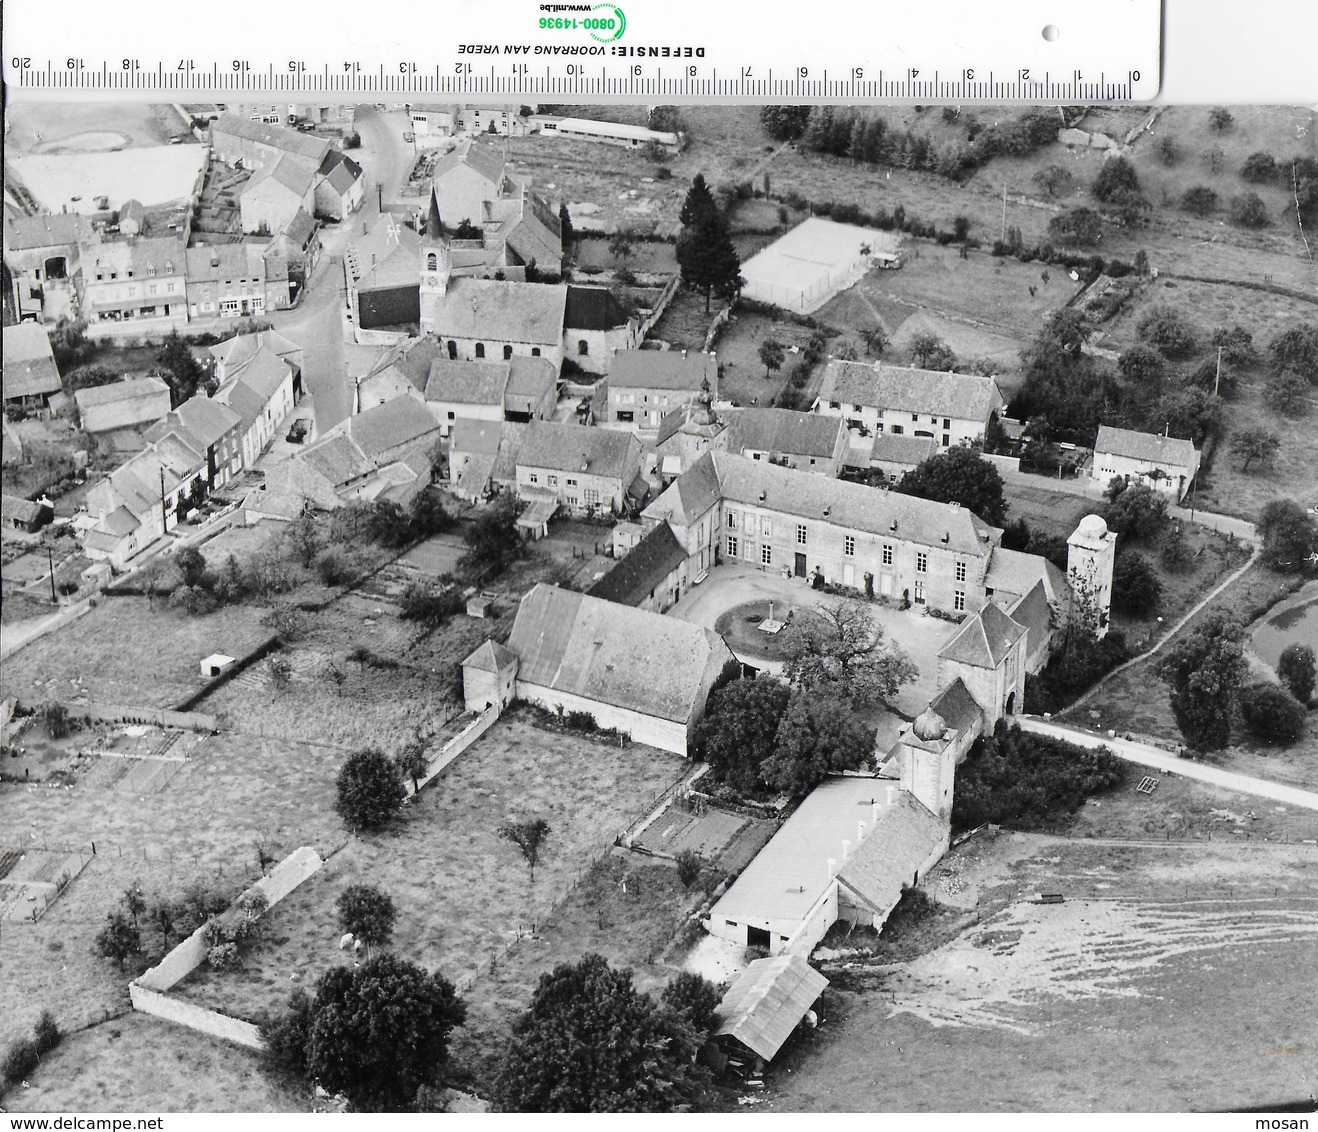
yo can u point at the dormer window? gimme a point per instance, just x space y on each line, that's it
151 269
169 268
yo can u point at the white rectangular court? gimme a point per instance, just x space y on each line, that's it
814 261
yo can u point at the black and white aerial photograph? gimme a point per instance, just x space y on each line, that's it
540 607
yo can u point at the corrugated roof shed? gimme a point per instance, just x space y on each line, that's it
767 1001
642 568
610 653
966 396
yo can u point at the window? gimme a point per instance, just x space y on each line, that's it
887 554
535 351
732 546
947 422
169 268
480 349
834 405
592 497
150 269
916 417
732 520
765 528
800 533
849 546
451 415
922 563
507 353
959 601
766 555
432 262
947 440
583 348
553 481
919 593
960 571
625 416
897 430
151 290
534 477
571 482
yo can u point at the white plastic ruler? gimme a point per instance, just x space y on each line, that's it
902 50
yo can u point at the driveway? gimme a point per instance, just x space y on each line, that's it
730 585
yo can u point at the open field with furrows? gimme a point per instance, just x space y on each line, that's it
1168 980
462 892
203 826
130 651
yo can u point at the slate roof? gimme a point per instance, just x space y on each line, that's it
784 431
610 653
475 437
303 145
45 230
662 369
767 1001
236 352
642 568
300 229
893 851
495 310
490 657
290 173
467 383
338 458
212 262
1036 614
529 381
957 706
341 171
1163 451
1015 572
119 523
403 420
483 159
593 308
756 483
966 396
575 448
528 229
411 359
204 422
984 639
29 367
129 390
909 450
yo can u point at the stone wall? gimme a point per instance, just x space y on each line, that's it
460 742
195 1017
157 717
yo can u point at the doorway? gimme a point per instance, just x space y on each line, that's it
757 937
800 565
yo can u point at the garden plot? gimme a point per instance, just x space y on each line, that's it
31 880
707 833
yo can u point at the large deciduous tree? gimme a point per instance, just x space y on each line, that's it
591 1042
529 836
959 475
1255 446
492 538
1271 713
370 789
1204 669
1290 536
838 649
1297 670
368 913
738 729
819 735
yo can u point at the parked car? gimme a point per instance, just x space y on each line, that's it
298 433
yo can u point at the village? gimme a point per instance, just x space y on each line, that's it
829 594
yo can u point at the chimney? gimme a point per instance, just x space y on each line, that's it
846 848
874 811
832 868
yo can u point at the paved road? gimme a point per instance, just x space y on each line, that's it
1155 757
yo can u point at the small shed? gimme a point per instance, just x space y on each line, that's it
216 663
481 603
767 1001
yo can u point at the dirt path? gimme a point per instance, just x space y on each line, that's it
1144 754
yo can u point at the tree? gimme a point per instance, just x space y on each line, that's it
876 341
696 998
961 229
89 377
784 123
303 538
772 355
492 538
367 913
666 119
181 369
1249 211
705 253
1204 669
430 605
1236 344
1259 169
1052 179
959 475
1297 670
1289 392
191 565
838 648
927 348
68 343
689 866
1116 176
818 736
1296 348
1189 412
1199 200
1169 332
529 836
1168 151
120 937
378 1032
1271 713
1255 445
284 1038
1135 585
412 762
620 247
1214 157
1135 511
591 1042
738 729
1077 225
564 223
1289 534
369 790
1219 117
1175 555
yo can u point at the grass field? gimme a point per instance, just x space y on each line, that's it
462 892
1167 981
128 652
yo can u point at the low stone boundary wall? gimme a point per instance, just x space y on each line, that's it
19 637
271 644
147 991
459 743
157 717
1002 463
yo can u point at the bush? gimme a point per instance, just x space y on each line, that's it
1271 713
46 1033
334 568
1259 169
1026 781
195 601
370 790
432 607
21 1059
1199 200
1169 332
1249 211
224 957
1135 585
57 720
689 865
1297 671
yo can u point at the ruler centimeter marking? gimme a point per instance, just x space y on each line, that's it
573 79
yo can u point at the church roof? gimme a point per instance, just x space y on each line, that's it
500 311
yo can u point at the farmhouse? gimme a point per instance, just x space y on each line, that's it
276 192
122 404
237 138
818 258
42 256
578 653
482 457
340 186
651 575
29 373
401 371
892 454
583 468
949 408
803 441
644 386
465 178
1163 463
389 432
